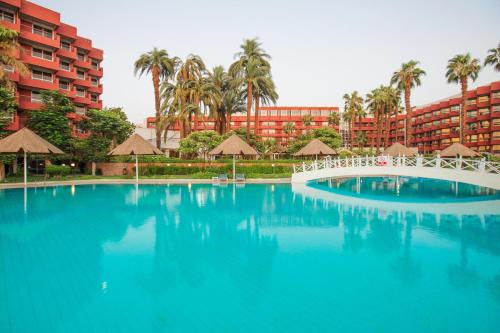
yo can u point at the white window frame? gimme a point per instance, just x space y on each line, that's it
42 77
78 92
2 15
65 82
43 54
43 30
36 100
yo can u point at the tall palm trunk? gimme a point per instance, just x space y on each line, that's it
379 130
387 128
351 129
408 129
256 125
463 109
249 108
156 86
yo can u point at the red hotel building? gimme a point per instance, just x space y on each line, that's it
436 125
58 59
271 121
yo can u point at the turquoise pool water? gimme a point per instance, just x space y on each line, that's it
247 258
408 189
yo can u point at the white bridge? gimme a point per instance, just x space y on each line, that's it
475 172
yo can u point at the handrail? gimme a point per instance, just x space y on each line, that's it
400 161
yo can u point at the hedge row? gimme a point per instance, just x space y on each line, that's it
153 170
58 170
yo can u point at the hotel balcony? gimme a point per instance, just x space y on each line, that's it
48 64
29 82
82 82
67 54
96 72
66 74
25 103
96 90
12 26
98 105
68 93
27 34
82 64
81 100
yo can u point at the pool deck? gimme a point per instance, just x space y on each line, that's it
141 182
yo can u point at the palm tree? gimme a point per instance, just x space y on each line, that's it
252 66
376 105
460 68
9 50
493 58
307 121
353 109
289 128
406 78
162 67
333 119
392 100
265 92
361 139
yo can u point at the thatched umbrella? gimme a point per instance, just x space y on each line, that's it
458 149
314 148
135 145
234 145
398 149
27 142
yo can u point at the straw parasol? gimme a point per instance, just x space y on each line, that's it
458 149
135 145
398 149
26 141
314 148
234 145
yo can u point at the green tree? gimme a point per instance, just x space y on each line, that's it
353 109
9 49
493 58
289 128
51 122
200 143
333 119
109 123
460 69
8 107
161 66
327 135
406 78
251 68
361 139
306 122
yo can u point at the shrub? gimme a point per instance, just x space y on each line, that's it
58 170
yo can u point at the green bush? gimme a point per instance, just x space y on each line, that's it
154 170
58 170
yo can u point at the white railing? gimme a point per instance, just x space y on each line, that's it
388 161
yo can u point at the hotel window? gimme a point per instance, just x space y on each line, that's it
445 131
64 65
295 112
428 115
94 81
445 110
325 124
36 97
42 54
79 110
81 56
472 126
484 111
7 16
315 113
80 92
455 119
454 140
455 108
496 108
80 74
445 141
263 113
435 113
268 131
445 121
95 64
473 138
485 124
496 122
436 123
64 85
495 135
326 113
472 114
42 31
41 76
66 46
471 101
273 113
495 94
284 113
482 99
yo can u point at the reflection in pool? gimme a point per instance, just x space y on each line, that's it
246 258
407 189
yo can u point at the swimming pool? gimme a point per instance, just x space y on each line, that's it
244 258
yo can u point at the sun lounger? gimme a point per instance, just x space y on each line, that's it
222 177
240 177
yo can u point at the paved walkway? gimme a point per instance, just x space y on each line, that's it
141 181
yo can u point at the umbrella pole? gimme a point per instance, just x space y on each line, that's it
136 169
234 167
25 169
